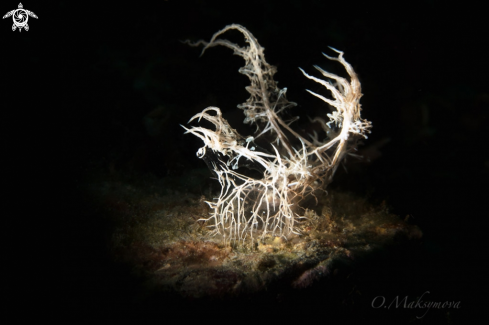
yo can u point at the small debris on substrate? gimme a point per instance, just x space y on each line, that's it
157 232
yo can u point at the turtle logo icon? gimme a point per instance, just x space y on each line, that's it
20 17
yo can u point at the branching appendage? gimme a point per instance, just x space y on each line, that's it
249 208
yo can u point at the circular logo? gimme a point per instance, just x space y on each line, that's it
20 18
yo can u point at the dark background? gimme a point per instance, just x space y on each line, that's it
77 86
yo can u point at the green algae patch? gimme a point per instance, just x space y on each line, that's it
157 233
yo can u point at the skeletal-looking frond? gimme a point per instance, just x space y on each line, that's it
266 101
294 168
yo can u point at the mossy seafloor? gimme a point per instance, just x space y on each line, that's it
157 233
